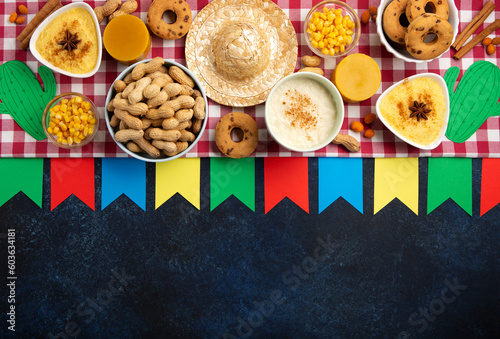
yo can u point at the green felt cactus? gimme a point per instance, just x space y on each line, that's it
474 100
22 96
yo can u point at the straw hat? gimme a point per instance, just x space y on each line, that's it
239 49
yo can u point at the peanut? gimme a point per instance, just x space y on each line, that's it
167 146
146 123
186 90
199 108
149 67
114 121
178 75
147 147
136 94
182 101
99 13
348 142
180 146
160 73
127 118
373 10
187 136
130 87
128 79
197 124
316 70
173 89
162 112
107 9
110 106
126 8
495 41
154 88
311 60
158 100
139 108
184 125
184 114
20 20
119 85
128 134
133 147
170 135
196 94
170 123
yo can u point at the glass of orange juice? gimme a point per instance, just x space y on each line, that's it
127 39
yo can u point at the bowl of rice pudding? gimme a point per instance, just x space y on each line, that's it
304 112
416 110
69 41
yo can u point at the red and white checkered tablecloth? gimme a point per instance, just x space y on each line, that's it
14 142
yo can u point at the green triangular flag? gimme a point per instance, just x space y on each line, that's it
232 176
449 178
21 174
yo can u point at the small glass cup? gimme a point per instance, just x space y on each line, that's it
46 120
346 10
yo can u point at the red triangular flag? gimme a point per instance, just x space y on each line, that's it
490 185
286 177
72 176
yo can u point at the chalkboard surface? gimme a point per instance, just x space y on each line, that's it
181 272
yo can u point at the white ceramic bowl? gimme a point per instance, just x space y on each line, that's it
401 52
51 17
145 156
337 99
444 87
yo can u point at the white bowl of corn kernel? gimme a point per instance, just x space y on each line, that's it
70 120
332 29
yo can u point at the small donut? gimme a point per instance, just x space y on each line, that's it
417 33
224 141
394 21
415 8
174 30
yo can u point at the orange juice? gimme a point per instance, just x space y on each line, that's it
127 39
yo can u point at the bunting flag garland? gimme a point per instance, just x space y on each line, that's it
181 176
490 185
330 188
450 178
72 176
123 176
396 178
286 177
232 177
24 175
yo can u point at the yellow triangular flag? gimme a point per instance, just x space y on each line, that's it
396 178
178 176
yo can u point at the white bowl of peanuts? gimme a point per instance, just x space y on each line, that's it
70 120
156 110
332 29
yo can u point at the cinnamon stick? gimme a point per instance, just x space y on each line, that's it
37 19
26 42
473 25
477 39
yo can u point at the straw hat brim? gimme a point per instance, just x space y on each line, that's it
279 35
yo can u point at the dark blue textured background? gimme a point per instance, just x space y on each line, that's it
202 274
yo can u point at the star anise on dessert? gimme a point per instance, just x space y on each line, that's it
418 110
70 41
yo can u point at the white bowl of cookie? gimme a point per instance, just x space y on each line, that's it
417 31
